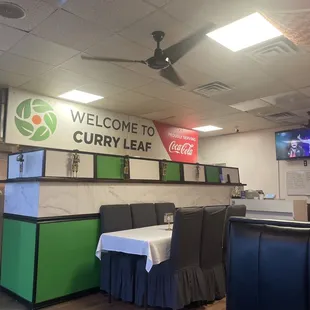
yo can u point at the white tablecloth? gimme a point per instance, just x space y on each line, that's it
153 242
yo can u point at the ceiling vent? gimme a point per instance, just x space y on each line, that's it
278 117
272 49
212 89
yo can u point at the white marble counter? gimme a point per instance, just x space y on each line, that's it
269 209
65 198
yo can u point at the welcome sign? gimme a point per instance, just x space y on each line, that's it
47 122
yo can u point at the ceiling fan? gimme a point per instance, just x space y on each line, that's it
164 59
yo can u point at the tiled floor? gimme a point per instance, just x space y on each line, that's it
93 302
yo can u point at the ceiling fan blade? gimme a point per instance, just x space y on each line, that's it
111 59
170 74
178 50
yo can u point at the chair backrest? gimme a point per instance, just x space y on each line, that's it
161 209
268 265
212 237
235 210
115 218
186 238
143 215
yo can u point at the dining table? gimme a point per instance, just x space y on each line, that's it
153 242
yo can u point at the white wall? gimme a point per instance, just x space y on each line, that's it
254 154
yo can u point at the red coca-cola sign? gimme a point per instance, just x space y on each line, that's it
181 144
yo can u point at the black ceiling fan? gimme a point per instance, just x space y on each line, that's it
164 59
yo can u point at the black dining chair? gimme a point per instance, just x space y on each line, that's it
143 215
211 255
162 208
178 281
120 278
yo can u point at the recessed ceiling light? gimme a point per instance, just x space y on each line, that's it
207 128
80 96
245 32
11 10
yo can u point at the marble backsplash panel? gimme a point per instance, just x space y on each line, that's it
22 198
58 199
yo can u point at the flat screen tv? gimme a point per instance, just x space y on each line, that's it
293 144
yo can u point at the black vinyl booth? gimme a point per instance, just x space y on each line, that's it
268 265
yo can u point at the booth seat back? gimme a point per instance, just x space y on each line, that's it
268 265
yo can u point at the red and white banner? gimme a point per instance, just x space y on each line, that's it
47 122
180 144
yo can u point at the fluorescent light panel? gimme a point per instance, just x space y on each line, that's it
80 96
245 32
207 128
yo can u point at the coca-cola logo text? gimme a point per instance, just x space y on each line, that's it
184 149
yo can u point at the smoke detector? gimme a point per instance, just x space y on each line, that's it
11 10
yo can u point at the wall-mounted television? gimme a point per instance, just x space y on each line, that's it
293 144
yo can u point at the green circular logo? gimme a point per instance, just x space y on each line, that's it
35 119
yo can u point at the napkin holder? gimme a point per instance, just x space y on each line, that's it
168 218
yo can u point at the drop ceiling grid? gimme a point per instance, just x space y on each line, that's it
134 89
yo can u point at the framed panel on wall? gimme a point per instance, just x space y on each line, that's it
173 172
59 164
109 167
142 169
230 174
194 173
213 174
32 165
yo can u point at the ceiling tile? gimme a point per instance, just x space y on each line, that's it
231 97
269 110
70 30
184 10
192 77
159 90
23 66
127 79
305 91
119 47
246 92
293 70
217 113
56 82
133 108
12 79
169 113
289 101
95 69
101 89
303 113
158 3
112 15
250 105
280 5
56 3
146 71
244 122
185 121
36 12
131 97
197 13
141 31
106 72
35 48
9 37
